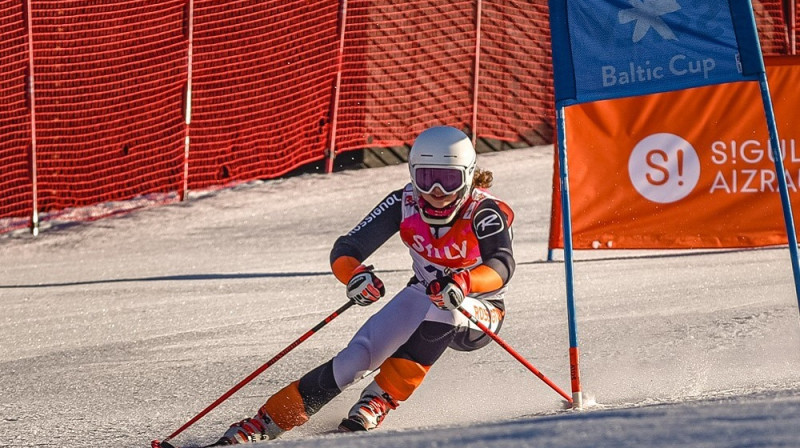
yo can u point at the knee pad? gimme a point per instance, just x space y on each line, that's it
470 337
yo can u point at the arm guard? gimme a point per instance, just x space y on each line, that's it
494 240
376 228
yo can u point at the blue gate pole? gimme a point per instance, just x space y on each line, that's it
577 401
782 186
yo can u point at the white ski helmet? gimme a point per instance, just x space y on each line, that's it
443 157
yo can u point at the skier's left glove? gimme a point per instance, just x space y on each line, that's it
448 292
364 287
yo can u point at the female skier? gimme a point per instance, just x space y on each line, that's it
459 238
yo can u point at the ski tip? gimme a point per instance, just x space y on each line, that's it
164 444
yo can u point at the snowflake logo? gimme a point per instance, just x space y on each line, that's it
647 14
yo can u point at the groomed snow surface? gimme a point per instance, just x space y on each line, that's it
118 331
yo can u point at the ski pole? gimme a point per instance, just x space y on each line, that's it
257 372
513 353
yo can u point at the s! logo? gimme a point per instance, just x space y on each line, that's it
664 168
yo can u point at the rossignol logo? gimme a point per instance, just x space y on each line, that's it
382 207
488 316
487 223
647 15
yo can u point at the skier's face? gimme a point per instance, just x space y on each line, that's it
438 199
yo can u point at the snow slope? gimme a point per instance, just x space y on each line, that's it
116 332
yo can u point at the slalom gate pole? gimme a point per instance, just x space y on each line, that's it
257 372
566 223
514 353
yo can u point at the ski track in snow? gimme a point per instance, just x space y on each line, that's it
117 331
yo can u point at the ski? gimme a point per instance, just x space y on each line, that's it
346 426
165 444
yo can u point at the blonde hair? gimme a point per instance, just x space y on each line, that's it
482 178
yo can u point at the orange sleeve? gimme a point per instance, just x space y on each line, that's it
343 268
484 279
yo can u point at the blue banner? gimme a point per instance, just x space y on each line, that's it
604 49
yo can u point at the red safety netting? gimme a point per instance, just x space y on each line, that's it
15 131
112 78
109 82
771 26
516 86
793 28
261 87
407 65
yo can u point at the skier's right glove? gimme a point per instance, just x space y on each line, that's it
448 292
364 287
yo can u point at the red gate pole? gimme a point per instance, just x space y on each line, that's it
32 97
184 195
792 26
476 74
337 87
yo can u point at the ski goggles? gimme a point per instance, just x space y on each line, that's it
449 180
